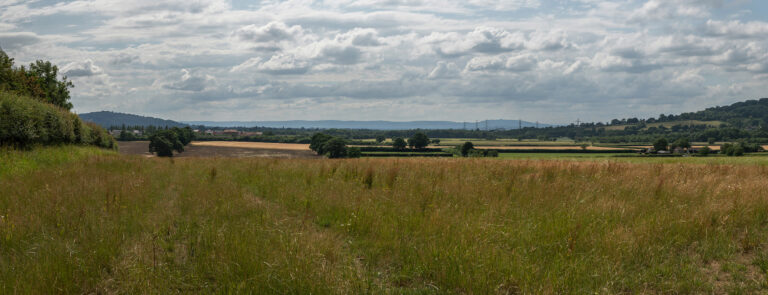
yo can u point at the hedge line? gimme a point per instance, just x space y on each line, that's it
406 154
26 122
567 151
391 149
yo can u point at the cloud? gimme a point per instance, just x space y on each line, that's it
483 57
520 63
16 41
84 68
736 29
280 64
191 82
444 70
272 32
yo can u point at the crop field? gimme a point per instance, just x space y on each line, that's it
80 220
226 149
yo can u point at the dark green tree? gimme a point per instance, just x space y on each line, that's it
418 140
466 148
399 143
660 144
380 138
318 141
335 148
164 142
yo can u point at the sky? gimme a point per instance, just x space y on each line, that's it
551 61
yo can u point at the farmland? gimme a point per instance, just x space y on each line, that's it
87 221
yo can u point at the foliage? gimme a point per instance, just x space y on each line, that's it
25 122
317 143
39 81
466 148
335 148
704 151
399 143
418 140
380 138
354 152
660 144
164 142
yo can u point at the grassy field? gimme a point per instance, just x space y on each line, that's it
93 222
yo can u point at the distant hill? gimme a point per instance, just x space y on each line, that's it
107 119
375 125
745 113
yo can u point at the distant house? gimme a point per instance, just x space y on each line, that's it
209 132
115 133
136 132
231 132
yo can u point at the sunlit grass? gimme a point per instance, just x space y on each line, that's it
117 224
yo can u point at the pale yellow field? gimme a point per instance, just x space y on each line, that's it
254 145
567 147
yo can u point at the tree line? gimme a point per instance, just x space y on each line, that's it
34 109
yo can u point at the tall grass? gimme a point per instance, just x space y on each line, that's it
116 224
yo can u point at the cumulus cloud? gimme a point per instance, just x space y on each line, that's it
227 57
444 70
736 29
520 63
272 32
191 82
84 68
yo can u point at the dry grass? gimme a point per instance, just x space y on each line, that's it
549 147
117 224
254 145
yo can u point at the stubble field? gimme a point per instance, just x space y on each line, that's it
94 222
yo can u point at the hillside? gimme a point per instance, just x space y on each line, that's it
375 125
107 119
740 114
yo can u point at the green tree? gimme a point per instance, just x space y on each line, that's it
164 142
466 148
335 148
419 140
380 138
399 143
704 151
317 142
660 144
354 152
56 92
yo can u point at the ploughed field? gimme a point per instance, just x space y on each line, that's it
77 220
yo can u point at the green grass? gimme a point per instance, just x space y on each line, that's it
18 162
106 223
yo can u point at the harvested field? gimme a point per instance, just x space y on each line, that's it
216 149
254 145
549 147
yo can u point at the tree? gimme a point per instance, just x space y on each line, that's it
318 141
164 142
56 92
335 148
419 140
704 151
466 148
660 144
399 143
354 152
380 138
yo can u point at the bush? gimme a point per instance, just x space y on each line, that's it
25 122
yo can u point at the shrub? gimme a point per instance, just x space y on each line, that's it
25 122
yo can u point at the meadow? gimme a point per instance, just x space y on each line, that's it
83 220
